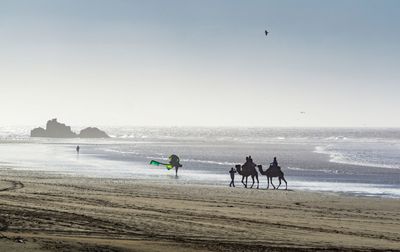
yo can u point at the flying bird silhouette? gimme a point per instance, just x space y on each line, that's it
266 33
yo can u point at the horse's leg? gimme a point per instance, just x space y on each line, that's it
267 182
252 178
246 181
243 182
283 178
280 182
258 182
272 184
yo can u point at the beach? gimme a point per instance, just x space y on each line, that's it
125 126
50 212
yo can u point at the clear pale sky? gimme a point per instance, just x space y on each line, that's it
200 63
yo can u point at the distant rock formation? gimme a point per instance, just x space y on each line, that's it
55 129
92 133
38 132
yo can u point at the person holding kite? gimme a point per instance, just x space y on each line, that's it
173 163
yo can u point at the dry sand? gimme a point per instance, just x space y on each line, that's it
41 212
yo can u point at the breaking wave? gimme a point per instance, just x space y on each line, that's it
382 156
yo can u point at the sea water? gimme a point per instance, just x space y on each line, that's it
358 161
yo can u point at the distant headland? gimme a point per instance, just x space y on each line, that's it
55 129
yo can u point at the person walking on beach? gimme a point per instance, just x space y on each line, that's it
77 149
174 162
232 173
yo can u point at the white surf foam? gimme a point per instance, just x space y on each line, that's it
368 159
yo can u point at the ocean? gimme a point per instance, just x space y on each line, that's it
356 161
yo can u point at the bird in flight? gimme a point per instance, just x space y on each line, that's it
266 33
302 112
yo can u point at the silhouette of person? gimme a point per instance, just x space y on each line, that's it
249 161
232 173
78 149
275 162
275 165
174 161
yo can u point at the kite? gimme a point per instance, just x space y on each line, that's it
266 33
156 163
173 163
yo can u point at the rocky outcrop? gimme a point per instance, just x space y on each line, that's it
38 132
93 133
55 129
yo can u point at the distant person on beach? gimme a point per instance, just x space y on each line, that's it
174 161
232 173
77 149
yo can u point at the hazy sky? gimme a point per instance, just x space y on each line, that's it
204 62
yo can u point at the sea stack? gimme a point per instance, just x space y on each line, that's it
55 129
92 133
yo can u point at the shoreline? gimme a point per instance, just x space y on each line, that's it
53 212
351 189
303 168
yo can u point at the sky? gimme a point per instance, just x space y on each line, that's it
200 63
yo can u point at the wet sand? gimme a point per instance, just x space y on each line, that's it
43 212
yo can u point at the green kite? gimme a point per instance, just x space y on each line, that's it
156 163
